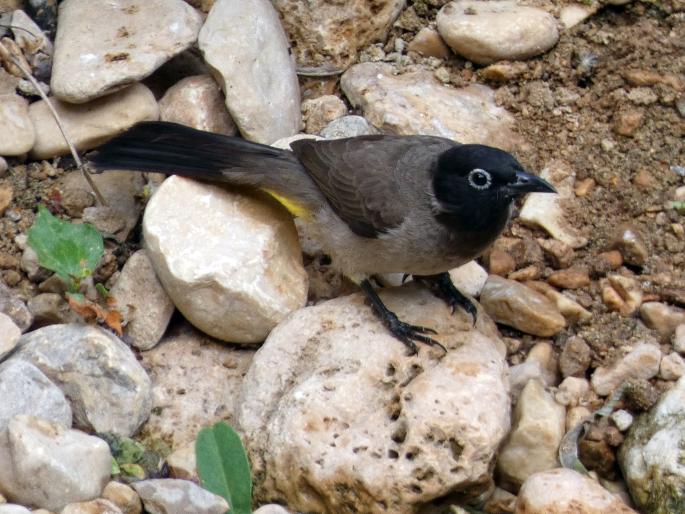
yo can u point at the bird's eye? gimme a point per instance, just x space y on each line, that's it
479 179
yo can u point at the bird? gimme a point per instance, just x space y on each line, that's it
413 204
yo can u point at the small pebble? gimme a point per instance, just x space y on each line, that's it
672 367
622 294
575 357
622 419
663 318
679 339
571 278
628 121
584 187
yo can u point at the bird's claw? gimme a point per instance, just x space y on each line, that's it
409 334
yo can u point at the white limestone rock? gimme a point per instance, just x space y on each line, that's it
485 32
245 46
417 103
9 335
91 123
108 389
18 135
333 395
469 278
642 362
44 464
230 261
102 46
197 102
172 496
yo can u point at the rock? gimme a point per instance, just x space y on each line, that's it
622 294
411 440
121 189
182 463
516 305
34 44
89 124
629 242
642 362
628 121
319 112
44 464
124 497
496 31
233 268
571 278
417 103
272 508
98 506
571 310
10 335
108 389
679 339
102 46
650 456
575 358
573 14
197 102
584 187
469 278
428 43
672 367
622 419
24 389
521 374
560 254
561 491
12 306
329 35
662 318
246 48
172 496
106 219
532 444
196 382
138 292
572 391
8 508
543 354
50 309
347 126
609 261
501 262
545 210
6 194
576 415
15 125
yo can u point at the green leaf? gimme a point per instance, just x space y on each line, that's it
223 466
71 250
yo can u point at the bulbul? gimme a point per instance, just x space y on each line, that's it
418 205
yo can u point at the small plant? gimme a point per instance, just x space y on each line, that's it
133 461
223 466
73 251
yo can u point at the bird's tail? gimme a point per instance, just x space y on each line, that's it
176 149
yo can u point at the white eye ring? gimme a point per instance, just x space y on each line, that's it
479 174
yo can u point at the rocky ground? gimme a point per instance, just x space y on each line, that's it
580 338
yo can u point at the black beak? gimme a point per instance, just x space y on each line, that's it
527 183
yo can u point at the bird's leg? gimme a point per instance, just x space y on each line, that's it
405 332
441 285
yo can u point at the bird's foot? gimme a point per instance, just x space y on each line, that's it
408 334
441 285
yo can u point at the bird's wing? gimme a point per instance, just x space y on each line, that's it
369 179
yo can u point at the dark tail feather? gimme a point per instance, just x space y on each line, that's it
172 148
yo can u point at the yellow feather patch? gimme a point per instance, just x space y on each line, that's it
296 209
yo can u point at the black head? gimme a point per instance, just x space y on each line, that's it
475 186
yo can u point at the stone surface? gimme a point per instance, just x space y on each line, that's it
197 102
622 294
485 32
97 506
330 34
24 389
571 278
15 125
546 210
571 310
428 43
348 126
139 293
102 46
679 339
516 305
662 318
91 123
108 389
417 103
233 268
9 335
34 43
651 456
564 491
642 362
183 464
196 382
123 496
571 15
575 357
630 243
172 496
427 424
15 308
672 367
245 46
44 464
469 278
319 112
532 445
272 508
572 391
543 354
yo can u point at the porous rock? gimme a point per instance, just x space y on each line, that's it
233 268
333 395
